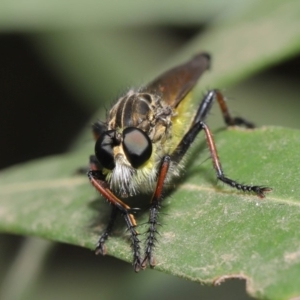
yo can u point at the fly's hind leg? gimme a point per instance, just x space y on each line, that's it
198 124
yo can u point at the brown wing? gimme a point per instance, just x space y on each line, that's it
175 84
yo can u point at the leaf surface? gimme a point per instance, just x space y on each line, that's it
209 233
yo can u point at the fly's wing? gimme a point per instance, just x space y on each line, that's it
176 83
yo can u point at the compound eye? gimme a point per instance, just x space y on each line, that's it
104 149
137 146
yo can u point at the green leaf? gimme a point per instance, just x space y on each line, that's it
210 232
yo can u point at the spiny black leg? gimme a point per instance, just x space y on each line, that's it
258 190
135 242
96 178
198 125
151 235
187 140
154 210
100 247
206 105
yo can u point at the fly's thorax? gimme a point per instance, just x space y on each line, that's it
145 111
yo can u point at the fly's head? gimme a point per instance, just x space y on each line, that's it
131 147
121 153
128 148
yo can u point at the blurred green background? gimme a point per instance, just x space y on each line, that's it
61 65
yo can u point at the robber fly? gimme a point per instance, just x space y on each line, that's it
140 147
